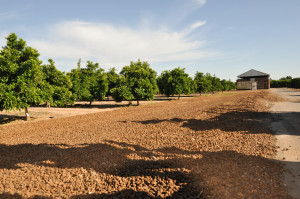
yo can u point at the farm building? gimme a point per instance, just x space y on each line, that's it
252 80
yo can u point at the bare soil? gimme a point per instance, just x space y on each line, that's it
203 147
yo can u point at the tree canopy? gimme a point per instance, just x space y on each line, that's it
113 78
202 84
138 82
174 82
25 81
89 83
57 86
21 75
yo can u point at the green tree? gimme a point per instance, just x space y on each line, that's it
174 82
57 86
225 85
231 85
112 78
138 82
122 92
216 84
89 83
21 75
202 84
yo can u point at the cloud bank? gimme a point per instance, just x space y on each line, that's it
114 46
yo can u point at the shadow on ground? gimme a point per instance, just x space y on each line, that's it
171 164
5 119
247 121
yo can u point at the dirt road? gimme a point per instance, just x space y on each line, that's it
286 123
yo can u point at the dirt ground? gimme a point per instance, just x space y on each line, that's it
286 124
203 147
79 108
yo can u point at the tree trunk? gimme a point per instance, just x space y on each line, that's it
178 96
138 102
130 103
27 115
91 102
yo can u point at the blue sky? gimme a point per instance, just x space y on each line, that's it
225 38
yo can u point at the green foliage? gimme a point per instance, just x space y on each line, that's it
225 85
122 91
286 82
175 82
202 84
216 84
89 83
228 85
280 83
232 85
21 75
138 83
113 79
208 83
57 86
295 83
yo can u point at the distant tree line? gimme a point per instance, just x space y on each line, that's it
287 81
25 81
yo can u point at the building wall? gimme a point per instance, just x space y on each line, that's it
246 85
262 82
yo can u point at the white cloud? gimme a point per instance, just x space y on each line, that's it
117 46
200 2
197 24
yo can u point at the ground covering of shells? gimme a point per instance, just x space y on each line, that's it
202 147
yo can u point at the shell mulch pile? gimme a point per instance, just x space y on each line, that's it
202 147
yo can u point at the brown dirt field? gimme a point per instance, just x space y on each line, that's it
203 147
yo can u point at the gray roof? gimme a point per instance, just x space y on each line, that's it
253 73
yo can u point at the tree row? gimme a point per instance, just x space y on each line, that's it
26 81
287 81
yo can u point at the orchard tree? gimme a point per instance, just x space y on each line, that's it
216 84
225 85
57 86
138 82
113 78
202 84
21 75
174 82
89 83
232 85
122 92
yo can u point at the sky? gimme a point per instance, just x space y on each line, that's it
225 38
